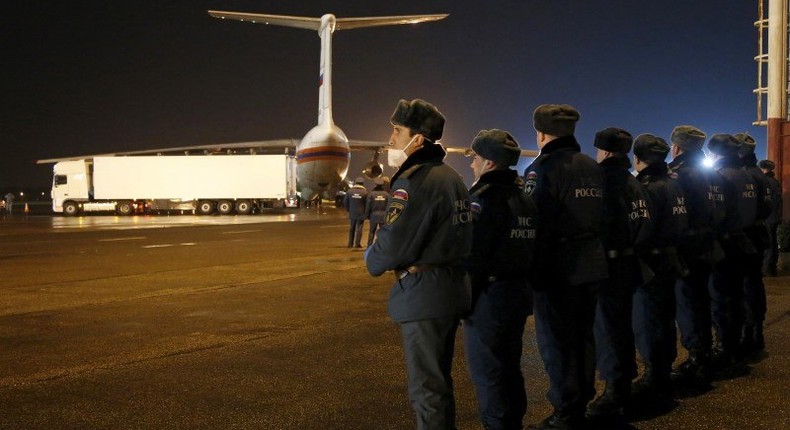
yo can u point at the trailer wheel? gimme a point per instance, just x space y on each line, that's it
71 209
124 208
205 207
224 207
243 207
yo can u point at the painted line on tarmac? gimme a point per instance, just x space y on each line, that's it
334 226
167 245
118 239
240 232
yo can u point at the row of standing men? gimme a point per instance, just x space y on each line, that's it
584 244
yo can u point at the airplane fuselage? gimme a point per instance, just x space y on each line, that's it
322 159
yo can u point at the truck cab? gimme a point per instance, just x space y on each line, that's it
71 185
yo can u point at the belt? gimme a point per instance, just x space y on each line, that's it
617 253
402 273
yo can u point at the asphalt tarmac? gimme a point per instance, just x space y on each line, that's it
252 322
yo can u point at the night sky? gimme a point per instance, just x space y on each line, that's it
91 77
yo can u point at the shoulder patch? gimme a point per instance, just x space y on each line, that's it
476 208
400 194
393 212
530 181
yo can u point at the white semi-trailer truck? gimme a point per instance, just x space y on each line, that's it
201 183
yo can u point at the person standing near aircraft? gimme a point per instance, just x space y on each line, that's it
376 208
426 237
504 220
9 203
654 301
570 262
752 341
726 283
627 224
700 250
354 201
772 222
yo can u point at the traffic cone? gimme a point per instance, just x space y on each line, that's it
27 209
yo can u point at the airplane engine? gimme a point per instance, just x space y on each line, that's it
373 169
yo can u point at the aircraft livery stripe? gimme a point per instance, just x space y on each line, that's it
321 153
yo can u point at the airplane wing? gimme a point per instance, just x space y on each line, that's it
278 146
351 23
367 145
309 23
467 152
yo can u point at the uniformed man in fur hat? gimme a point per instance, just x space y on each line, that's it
505 222
566 187
423 242
772 222
354 201
726 283
627 224
376 208
699 248
654 301
752 341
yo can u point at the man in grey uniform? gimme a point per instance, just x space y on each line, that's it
426 236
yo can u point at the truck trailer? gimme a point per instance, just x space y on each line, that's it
204 184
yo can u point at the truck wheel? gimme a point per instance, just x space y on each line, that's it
224 207
205 207
124 208
71 209
243 207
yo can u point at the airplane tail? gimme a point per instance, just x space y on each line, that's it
325 26
309 23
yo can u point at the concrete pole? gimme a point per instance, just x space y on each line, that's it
777 95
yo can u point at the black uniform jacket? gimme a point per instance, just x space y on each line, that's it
376 208
757 231
670 220
566 187
505 221
704 201
626 214
355 200
741 202
429 228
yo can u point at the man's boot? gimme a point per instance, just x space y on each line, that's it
561 420
611 404
652 389
694 372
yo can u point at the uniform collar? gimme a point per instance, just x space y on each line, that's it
496 177
560 143
429 153
655 170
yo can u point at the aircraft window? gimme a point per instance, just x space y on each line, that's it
61 179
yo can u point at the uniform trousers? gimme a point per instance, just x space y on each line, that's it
564 318
355 232
753 291
493 343
428 347
374 226
693 305
771 256
654 325
726 290
614 339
